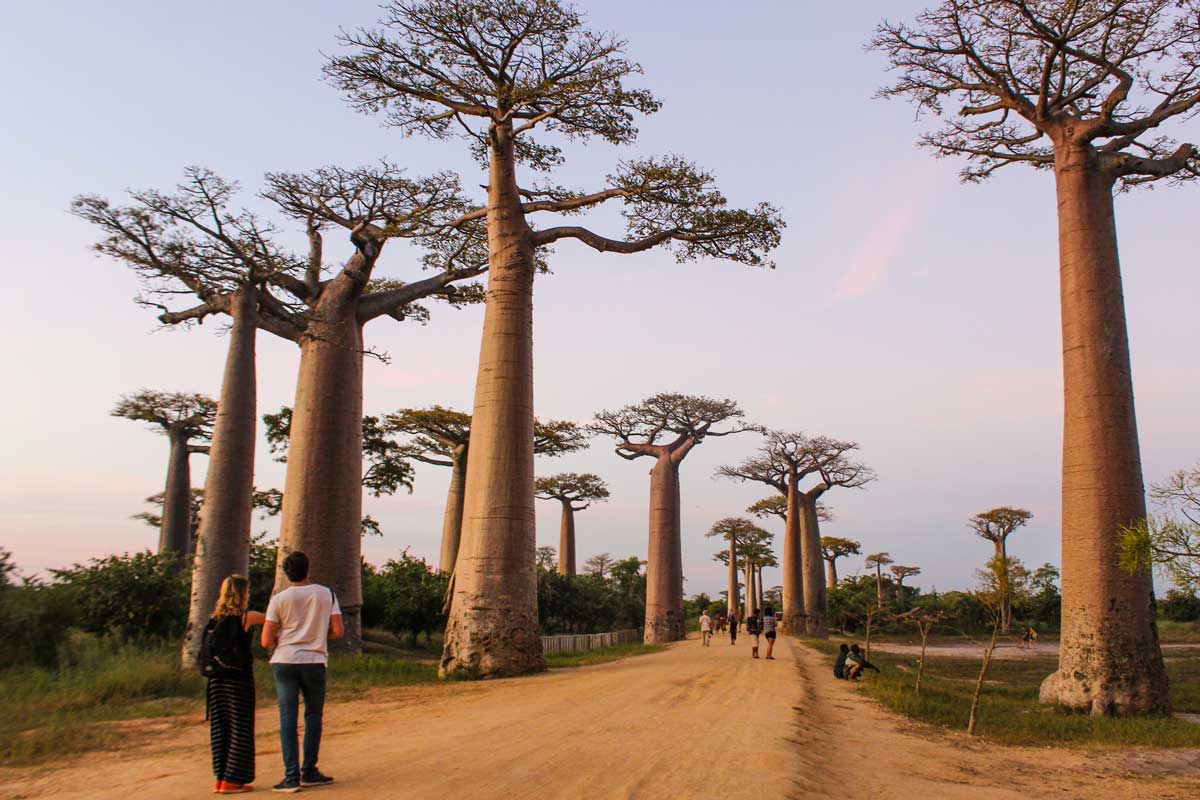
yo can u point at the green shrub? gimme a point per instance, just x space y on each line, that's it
132 597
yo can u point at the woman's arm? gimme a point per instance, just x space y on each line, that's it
254 618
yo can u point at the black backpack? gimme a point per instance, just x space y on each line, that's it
218 656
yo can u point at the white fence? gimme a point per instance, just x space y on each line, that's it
572 643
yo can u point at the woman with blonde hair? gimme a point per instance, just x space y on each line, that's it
228 663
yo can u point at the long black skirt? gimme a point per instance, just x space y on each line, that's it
231 728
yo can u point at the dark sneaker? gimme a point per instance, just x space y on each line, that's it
314 778
287 786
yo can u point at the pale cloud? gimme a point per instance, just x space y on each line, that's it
885 238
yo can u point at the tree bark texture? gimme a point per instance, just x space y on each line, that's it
758 587
492 628
175 535
223 541
734 598
322 496
1006 587
452 519
831 572
815 598
751 595
566 540
1109 657
664 598
793 565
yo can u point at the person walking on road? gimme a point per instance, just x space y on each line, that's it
705 628
768 629
753 628
300 622
733 626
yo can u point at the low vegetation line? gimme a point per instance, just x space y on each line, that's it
583 658
1009 711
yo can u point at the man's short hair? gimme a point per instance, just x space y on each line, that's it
295 566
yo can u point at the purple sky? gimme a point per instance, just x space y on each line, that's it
913 314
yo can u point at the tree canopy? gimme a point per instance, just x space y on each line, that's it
572 488
997 524
184 414
669 422
786 453
1016 80
835 547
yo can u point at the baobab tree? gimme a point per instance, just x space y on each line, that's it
155 519
784 460
666 427
499 74
192 241
996 526
833 548
1082 89
574 491
599 564
183 418
877 561
735 531
441 436
901 572
545 557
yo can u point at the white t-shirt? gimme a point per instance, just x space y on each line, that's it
705 622
302 613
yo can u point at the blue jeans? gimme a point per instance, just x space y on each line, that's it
291 681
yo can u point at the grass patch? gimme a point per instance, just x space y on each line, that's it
1009 709
48 713
583 658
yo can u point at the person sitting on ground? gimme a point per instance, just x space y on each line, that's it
753 628
768 629
705 627
839 666
856 662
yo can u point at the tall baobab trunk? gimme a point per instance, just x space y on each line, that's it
815 598
879 584
792 565
452 519
751 597
175 535
492 629
734 601
831 572
758 587
566 540
1109 656
322 495
223 541
664 601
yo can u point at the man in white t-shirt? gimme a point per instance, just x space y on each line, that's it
300 622
705 627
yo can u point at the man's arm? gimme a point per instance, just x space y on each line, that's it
270 634
336 629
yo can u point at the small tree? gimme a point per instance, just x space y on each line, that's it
575 492
877 561
738 532
666 427
925 620
1083 89
546 556
784 460
835 547
183 418
901 572
996 526
1169 540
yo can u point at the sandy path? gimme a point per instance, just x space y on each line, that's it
687 723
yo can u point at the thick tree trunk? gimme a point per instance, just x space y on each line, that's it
492 629
758 586
831 572
879 584
452 519
322 495
175 535
793 565
1006 588
1109 657
815 598
566 541
734 598
664 600
751 596
223 543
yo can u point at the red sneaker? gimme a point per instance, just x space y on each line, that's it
228 787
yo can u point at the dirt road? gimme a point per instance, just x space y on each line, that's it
691 722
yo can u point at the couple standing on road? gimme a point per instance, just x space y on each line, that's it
298 625
756 625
